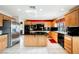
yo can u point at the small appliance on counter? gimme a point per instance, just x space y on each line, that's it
73 31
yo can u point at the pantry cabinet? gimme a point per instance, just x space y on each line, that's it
71 44
3 42
72 18
1 20
35 40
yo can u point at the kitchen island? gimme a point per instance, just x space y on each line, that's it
35 40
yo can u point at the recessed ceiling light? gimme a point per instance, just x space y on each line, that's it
28 11
41 9
19 9
62 9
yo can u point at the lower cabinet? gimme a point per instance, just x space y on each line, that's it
35 40
71 44
68 44
3 42
54 35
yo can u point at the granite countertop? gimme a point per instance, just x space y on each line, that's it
3 34
61 32
71 35
37 33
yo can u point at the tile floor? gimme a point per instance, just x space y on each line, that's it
50 49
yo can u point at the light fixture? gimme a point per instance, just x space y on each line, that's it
62 9
19 9
41 9
28 11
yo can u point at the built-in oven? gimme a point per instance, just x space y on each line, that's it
61 39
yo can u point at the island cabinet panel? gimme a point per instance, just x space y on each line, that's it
35 40
42 40
30 40
1 20
71 44
72 19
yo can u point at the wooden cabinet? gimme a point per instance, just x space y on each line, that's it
35 40
68 44
54 35
27 22
3 42
67 20
1 20
30 40
76 45
42 40
7 17
72 18
48 24
71 44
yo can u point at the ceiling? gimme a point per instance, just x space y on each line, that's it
39 12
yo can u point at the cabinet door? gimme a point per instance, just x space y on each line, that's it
30 40
4 43
74 17
67 20
42 40
1 20
68 44
76 45
0 45
7 18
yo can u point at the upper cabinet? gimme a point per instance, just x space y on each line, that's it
72 18
7 17
1 20
27 22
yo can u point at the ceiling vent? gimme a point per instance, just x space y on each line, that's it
32 7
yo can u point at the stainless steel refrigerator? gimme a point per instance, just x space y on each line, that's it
7 30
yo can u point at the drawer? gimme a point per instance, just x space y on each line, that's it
67 42
68 39
68 46
68 50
